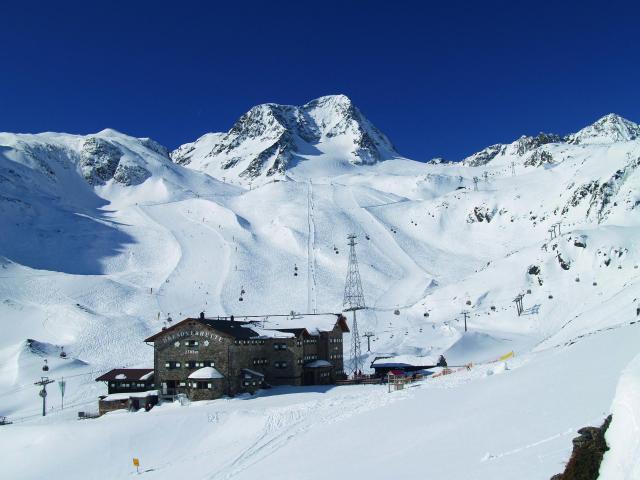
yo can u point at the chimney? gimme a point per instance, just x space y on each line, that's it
201 315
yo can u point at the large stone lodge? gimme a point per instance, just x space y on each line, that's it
206 358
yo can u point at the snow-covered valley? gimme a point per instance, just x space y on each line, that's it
106 236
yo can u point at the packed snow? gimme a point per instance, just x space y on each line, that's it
105 238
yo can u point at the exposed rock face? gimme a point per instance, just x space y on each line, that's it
269 138
566 265
481 214
131 174
484 156
99 160
519 148
102 160
533 270
588 450
609 129
602 192
155 146
539 158
440 161
525 143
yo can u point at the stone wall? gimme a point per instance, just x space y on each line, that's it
280 360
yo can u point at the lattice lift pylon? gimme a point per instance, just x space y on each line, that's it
353 301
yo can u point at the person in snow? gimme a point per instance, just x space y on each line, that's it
442 362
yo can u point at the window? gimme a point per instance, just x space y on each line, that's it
192 343
279 346
183 384
280 364
171 365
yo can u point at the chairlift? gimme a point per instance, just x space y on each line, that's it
45 367
468 302
396 312
63 354
425 314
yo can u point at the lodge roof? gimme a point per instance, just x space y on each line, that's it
296 331
236 329
313 324
136 374
244 330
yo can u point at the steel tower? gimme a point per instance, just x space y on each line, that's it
354 300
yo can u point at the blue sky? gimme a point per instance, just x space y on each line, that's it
439 78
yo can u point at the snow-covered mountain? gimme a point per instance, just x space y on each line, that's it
609 129
270 139
104 236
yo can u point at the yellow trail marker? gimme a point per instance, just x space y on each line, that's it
504 357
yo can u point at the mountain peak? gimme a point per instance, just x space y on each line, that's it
270 139
330 100
609 129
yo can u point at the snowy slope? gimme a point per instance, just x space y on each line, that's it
105 236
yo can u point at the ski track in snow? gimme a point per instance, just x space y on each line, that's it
283 425
312 283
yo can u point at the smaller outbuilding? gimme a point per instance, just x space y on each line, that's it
124 380
402 364
131 401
